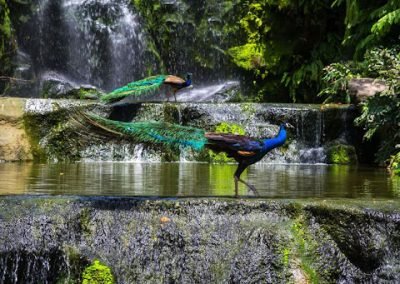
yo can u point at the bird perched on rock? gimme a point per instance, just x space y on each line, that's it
147 85
245 150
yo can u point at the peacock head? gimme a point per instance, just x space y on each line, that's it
287 126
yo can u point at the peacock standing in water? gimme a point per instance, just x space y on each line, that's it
245 150
147 85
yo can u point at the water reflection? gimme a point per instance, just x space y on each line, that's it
191 179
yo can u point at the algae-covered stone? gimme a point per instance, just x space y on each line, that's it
341 154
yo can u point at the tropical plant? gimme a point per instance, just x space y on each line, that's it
368 23
381 63
381 117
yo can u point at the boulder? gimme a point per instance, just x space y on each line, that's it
363 88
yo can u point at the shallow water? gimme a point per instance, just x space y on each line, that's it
194 179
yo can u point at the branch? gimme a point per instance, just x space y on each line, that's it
6 78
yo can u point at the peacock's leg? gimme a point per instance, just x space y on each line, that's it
241 167
251 187
236 188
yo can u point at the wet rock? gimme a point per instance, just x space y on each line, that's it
339 153
15 144
53 129
56 86
239 241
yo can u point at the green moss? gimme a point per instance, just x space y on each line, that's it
285 256
225 127
394 166
97 273
342 154
304 249
31 128
248 56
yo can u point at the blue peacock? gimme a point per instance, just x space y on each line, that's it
245 150
146 86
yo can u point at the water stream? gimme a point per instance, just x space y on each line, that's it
196 179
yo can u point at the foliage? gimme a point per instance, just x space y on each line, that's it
247 56
381 116
97 273
190 33
291 65
394 165
7 46
379 62
368 23
336 79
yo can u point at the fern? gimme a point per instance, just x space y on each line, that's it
384 24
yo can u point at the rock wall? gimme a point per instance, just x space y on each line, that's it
15 144
48 240
51 130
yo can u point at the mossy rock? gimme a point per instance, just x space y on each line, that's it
341 154
97 273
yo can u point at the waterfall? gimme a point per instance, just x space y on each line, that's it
98 42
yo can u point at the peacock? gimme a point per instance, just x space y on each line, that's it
147 85
245 150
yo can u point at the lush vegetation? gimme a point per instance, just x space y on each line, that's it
291 50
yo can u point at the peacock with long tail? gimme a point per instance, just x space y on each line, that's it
245 150
147 85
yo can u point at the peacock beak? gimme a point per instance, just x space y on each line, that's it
289 126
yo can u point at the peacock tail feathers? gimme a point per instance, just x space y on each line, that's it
152 132
136 88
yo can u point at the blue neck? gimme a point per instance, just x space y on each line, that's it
188 82
277 141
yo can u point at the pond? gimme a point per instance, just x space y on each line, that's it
195 180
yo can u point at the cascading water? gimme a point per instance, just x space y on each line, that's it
95 42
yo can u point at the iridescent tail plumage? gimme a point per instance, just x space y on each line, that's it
136 88
152 132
